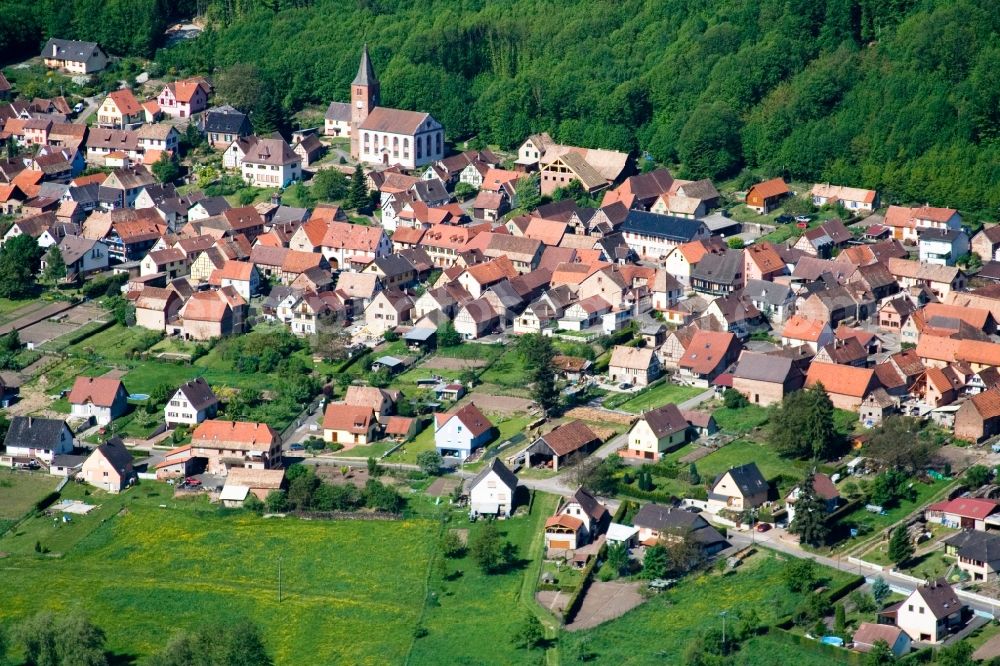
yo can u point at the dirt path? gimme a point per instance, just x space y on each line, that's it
498 403
442 363
605 601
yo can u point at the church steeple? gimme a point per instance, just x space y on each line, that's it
364 98
366 73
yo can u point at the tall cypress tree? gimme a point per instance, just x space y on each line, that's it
900 546
810 515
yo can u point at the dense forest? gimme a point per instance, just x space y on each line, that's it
903 95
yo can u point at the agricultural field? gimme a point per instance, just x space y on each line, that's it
658 631
177 564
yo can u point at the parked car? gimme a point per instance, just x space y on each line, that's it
763 527
193 482
784 219
78 107
296 447
803 218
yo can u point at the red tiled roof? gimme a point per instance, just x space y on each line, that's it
100 391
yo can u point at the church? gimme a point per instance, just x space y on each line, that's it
380 135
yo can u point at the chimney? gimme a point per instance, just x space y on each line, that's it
55 50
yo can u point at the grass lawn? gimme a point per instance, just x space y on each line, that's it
510 370
774 648
744 451
62 374
650 398
469 350
461 617
422 442
189 562
115 344
376 450
658 631
860 516
20 490
740 421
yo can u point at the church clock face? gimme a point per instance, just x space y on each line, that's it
358 103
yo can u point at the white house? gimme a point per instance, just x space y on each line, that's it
942 246
271 163
491 492
191 404
109 467
181 99
73 56
851 198
100 398
657 431
929 614
33 438
460 431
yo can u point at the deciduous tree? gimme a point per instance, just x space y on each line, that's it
490 550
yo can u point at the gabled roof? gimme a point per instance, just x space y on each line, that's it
125 101
34 432
632 358
469 416
569 437
677 229
589 504
707 350
770 188
976 545
198 393
841 379
940 598
69 49
799 328
506 476
747 478
114 451
238 435
395 121
665 421
356 419
99 391
756 366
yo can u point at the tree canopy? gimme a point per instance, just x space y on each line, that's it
802 426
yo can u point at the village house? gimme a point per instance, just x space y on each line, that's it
183 99
709 354
869 633
229 444
965 513
344 243
337 119
846 385
492 491
825 490
73 56
907 223
222 125
798 331
240 275
101 399
660 524
633 366
156 308
349 425
120 110
381 135
657 431
774 301
382 402
578 520
271 162
192 402
737 489
986 243
976 553
32 438
766 379
109 467
461 431
169 262
213 314
941 280
82 256
718 273
476 319
929 614
568 439
854 199
387 310
765 197
979 416
942 246
653 236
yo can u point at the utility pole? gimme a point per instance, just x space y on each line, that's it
279 581
723 614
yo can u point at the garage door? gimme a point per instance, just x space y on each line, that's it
559 544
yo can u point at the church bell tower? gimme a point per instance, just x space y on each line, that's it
364 98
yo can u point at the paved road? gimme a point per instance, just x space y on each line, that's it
899 584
